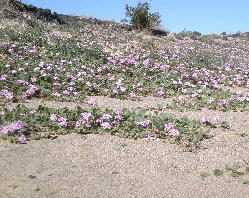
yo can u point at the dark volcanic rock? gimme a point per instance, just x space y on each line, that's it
31 8
156 32
46 14
126 27
43 14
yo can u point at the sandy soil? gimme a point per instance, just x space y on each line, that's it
107 166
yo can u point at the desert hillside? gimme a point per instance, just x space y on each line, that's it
93 108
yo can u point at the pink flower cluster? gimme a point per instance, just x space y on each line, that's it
85 120
121 60
7 94
12 127
171 130
144 123
61 121
30 92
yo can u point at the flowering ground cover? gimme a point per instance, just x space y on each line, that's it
41 62
90 58
98 110
22 124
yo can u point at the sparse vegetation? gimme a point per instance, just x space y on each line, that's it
236 171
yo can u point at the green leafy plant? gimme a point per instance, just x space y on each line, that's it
204 175
218 172
47 122
140 16
236 171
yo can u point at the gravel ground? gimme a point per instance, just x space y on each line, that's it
101 101
107 166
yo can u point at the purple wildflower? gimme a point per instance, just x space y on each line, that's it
91 101
56 94
223 102
62 122
118 117
144 123
66 92
99 120
146 62
168 126
12 127
185 143
79 123
122 89
3 77
86 115
24 82
164 67
210 101
160 93
85 120
22 138
31 91
216 118
106 116
106 125
7 94
174 132
33 79
132 95
53 117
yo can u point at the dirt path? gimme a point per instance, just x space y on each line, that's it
107 166
104 166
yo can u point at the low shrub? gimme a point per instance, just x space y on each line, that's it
140 16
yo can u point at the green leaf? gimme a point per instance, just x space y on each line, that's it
197 138
247 169
64 110
79 109
122 145
204 175
236 173
228 168
218 172
35 136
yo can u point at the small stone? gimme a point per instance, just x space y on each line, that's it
115 172
32 176
36 188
